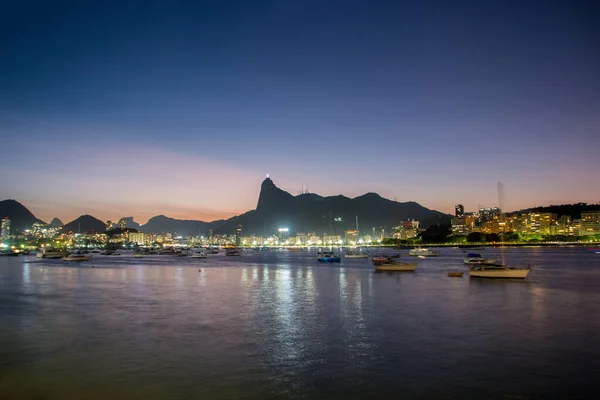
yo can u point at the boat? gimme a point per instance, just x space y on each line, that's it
391 265
476 258
52 253
9 253
328 258
110 253
233 252
354 254
295 249
199 254
455 274
497 271
212 250
423 252
77 256
494 270
376 260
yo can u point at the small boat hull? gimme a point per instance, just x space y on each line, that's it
77 258
329 259
455 274
500 273
357 256
396 267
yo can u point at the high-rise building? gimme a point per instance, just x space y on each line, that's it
352 237
122 223
488 214
5 233
590 223
459 210
238 235
108 225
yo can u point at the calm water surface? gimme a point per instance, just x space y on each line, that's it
278 325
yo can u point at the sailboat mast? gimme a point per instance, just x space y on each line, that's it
502 225
357 223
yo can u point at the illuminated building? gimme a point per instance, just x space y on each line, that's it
352 237
487 214
122 223
535 223
284 234
238 235
459 226
459 210
332 239
108 225
590 223
5 233
43 231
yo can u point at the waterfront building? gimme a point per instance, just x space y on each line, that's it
576 226
536 223
43 231
590 223
564 225
488 213
238 235
406 230
140 238
459 226
351 237
459 210
5 232
332 239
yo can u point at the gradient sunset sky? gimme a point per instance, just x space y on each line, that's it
165 107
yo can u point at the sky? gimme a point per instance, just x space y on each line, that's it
141 108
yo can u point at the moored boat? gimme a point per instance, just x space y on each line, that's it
52 253
423 252
77 256
199 254
391 265
476 258
328 258
233 252
497 271
354 254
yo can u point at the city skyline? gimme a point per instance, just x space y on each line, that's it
121 110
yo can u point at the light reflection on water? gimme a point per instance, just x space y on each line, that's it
280 325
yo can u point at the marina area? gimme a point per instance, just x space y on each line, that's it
279 324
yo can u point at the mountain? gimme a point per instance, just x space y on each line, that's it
183 227
56 222
130 223
572 210
308 212
20 217
85 224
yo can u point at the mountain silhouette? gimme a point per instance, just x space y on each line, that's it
56 222
161 224
85 224
20 217
310 212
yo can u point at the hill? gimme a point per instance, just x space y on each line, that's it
277 208
20 217
572 210
56 222
161 223
85 224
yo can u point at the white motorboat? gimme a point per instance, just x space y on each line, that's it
391 265
497 271
354 254
52 253
476 258
423 252
199 254
77 256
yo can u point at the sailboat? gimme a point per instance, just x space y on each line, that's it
494 270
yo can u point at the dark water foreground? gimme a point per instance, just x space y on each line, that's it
279 325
